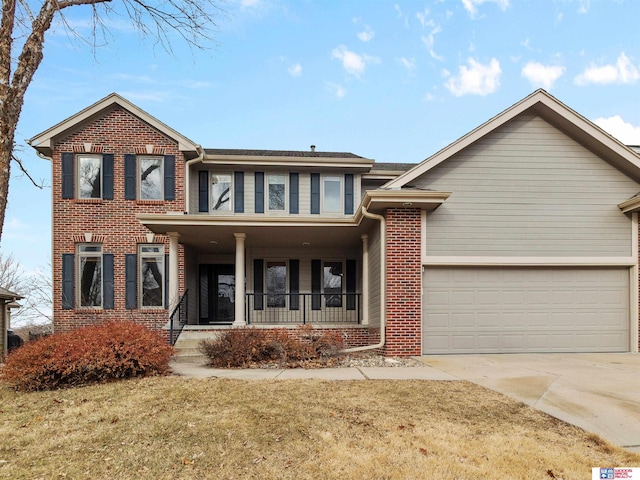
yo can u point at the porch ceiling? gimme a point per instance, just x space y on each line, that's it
207 234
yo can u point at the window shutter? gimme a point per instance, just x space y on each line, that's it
203 191
169 177
316 284
107 176
348 194
129 176
294 193
315 193
107 269
68 284
238 192
131 281
351 284
258 284
259 192
294 284
67 175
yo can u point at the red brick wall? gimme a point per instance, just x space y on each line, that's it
113 221
403 282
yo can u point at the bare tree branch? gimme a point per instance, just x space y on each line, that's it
24 170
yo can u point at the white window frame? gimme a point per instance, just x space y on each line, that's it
78 158
343 267
341 193
139 160
141 256
285 208
80 254
231 192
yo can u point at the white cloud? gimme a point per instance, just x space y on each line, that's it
476 79
542 75
408 63
429 42
622 72
353 63
336 89
295 70
424 21
617 127
471 5
584 6
428 97
367 34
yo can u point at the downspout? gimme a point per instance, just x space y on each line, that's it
383 283
187 174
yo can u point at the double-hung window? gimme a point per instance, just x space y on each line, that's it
332 194
276 284
87 176
221 192
150 178
277 192
332 284
90 275
89 168
151 275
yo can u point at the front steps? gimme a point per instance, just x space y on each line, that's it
187 346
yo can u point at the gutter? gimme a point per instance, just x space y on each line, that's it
187 173
383 283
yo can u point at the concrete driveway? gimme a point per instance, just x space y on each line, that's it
597 392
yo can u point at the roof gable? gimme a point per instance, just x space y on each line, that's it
556 113
44 141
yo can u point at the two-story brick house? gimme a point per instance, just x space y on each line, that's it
520 236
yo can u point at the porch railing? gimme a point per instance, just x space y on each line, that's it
178 318
302 308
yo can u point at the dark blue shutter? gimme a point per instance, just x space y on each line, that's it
294 193
259 192
67 175
294 284
315 193
258 284
131 280
68 269
351 284
107 176
316 284
107 281
238 192
169 177
348 194
129 176
203 191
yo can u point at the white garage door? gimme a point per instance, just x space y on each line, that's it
510 310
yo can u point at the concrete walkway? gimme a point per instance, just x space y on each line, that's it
597 392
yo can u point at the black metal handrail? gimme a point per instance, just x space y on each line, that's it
178 318
302 308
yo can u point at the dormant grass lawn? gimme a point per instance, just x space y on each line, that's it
176 428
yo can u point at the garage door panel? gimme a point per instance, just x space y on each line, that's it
510 310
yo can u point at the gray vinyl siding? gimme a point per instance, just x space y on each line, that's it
528 189
374 277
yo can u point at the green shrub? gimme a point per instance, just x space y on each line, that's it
247 347
99 353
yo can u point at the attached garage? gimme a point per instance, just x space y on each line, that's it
525 309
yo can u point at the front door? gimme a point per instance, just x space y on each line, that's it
217 294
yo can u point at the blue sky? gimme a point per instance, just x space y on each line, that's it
393 81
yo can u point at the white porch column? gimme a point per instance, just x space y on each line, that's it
365 279
174 284
239 313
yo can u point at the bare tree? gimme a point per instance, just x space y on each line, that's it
23 29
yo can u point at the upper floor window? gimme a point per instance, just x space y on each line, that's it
277 188
87 176
221 192
90 275
149 178
89 168
332 194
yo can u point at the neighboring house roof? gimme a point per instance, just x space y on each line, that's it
555 112
44 141
278 153
9 295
